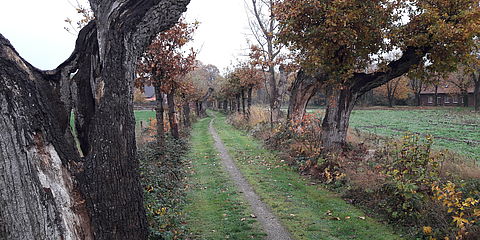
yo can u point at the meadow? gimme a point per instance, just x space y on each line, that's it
455 129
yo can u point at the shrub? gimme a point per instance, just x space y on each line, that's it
162 173
418 196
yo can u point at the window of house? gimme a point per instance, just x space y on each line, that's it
447 99
455 99
430 99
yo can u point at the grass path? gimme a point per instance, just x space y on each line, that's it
308 211
216 210
267 219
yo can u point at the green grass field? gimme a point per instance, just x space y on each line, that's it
307 210
452 128
144 115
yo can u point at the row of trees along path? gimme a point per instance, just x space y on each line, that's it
49 187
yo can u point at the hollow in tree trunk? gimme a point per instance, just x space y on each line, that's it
303 89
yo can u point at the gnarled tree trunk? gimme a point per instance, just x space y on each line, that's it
64 196
40 196
342 98
303 89
340 103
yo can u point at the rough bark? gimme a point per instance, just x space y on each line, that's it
303 89
104 59
172 117
40 196
340 103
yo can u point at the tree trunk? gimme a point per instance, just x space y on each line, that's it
250 91
436 95
237 97
391 98
340 103
476 91
197 108
303 89
172 118
48 191
186 114
418 99
274 97
465 99
159 114
203 102
39 194
244 99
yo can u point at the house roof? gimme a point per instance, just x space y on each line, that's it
444 88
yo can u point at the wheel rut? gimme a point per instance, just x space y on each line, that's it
270 223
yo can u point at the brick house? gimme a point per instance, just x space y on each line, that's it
446 96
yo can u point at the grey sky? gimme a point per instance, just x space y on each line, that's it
36 30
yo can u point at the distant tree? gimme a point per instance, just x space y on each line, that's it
164 65
203 80
268 51
459 83
249 78
476 83
338 40
395 89
475 68
417 85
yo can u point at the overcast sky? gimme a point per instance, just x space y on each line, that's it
36 30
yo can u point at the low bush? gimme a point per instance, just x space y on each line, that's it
162 172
